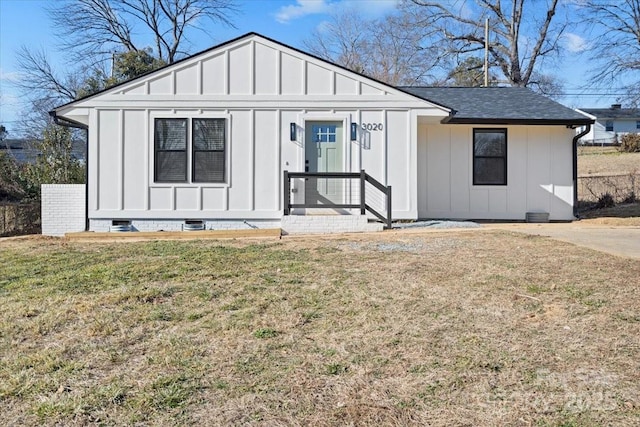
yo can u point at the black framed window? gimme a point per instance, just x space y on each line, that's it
170 137
489 157
206 149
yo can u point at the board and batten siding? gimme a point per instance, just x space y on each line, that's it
539 174
260 87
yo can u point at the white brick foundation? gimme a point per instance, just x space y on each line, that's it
103 225
305 224
63 208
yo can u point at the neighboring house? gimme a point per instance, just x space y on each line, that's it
610 124
209 138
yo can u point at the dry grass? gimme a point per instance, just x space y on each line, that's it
623 215
475 328
599 161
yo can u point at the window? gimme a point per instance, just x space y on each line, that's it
489 157
324 133
201 140
637 124
608 125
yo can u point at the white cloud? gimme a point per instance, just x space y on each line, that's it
302 8
9 77
575 43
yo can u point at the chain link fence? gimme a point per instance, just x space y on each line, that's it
19 218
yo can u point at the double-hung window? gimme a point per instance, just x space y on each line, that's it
489 157
608 125
190 150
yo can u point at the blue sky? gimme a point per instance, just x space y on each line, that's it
25 22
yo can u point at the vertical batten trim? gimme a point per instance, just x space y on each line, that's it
304 78
199 83
359 141
252 67
121 160
227 68
174 196
199 198
252 156
278 167
359 89
173 83
225 196
147 163
96 128
385 153
146 88
279 72
332 83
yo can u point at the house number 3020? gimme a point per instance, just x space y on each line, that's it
372 126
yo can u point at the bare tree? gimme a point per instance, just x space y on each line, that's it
93 28
616 44
391 49
521 37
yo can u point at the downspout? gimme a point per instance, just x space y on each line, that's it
575 167
61 121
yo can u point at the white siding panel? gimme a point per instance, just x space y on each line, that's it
134 160
498 200
291 150
438 169
109 155
346 85
398 159
561 170
370 90
187 80
266 70
292 73
373 146
539 171
423 136
318 80
136 90
267 172
213 199
517 152
187 198
240 70
162 85
214 75
461 168
161 198
479 199
241 146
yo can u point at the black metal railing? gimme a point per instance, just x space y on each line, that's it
338 191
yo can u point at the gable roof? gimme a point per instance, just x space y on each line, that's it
225 44
499 105
613 113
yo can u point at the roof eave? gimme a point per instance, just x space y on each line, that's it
532 122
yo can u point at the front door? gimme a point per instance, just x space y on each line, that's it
324 153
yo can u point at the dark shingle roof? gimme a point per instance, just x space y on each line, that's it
499 105
613 113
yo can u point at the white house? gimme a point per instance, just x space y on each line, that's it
208 139
609 123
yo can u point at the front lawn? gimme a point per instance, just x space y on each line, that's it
451 328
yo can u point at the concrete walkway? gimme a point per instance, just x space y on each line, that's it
621 241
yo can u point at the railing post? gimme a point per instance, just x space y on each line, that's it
287 192
362 190
388 207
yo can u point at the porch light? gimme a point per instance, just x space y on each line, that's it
293 130
354 131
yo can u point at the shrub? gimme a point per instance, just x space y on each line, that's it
630 143
605 201
631 198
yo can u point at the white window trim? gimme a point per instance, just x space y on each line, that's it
189 115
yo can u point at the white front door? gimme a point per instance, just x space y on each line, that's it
324 153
